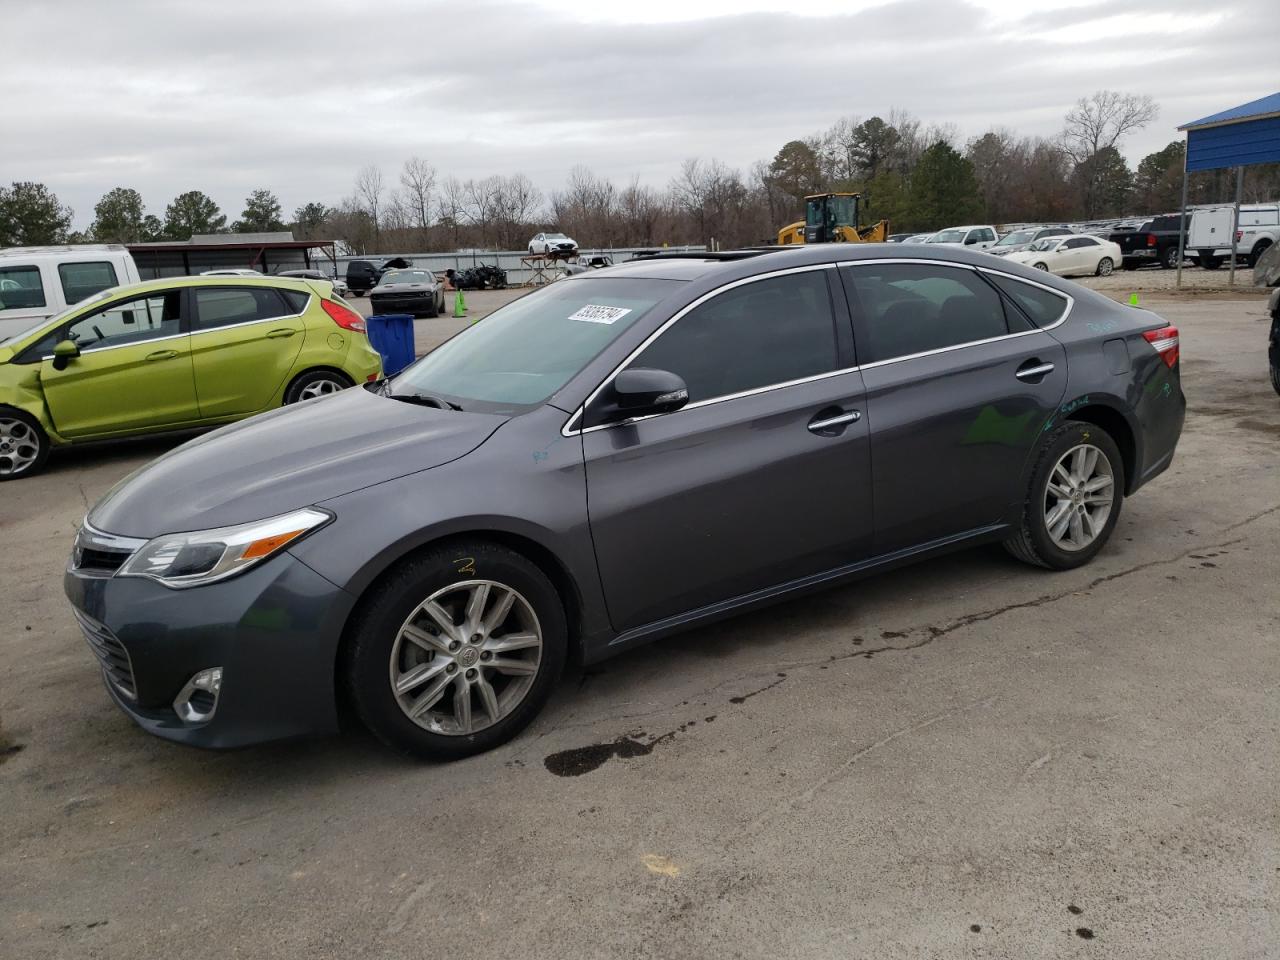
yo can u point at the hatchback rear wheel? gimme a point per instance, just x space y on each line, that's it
316 383
456 651
1073 499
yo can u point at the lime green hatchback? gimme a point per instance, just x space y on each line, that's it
174 354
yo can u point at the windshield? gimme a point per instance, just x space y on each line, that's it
556 236
947 236
1048 243
49 321
408 276
1018 236
524 352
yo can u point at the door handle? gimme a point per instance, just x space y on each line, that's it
838 420
162 355
1033 371
281 332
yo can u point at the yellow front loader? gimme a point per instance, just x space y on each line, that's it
832 218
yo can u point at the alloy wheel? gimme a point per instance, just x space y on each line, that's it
19 446
320 388
1105 266
1079 497
466 657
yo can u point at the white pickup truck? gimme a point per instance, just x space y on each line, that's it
976 237
1209 237
37 282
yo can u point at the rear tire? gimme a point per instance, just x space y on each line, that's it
1210 263
314 384
1257 253
379 655
1042 266
1275 377
24 446
1105 266
1035 542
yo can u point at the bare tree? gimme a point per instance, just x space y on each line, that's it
418 179
480 197
453 205
1103 120
1098 123
369 187
516 203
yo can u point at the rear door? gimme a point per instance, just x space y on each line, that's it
760 480
244 340
959 384
133 372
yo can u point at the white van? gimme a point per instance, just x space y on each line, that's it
37 282
1209 237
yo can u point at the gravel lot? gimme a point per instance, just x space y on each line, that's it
967 758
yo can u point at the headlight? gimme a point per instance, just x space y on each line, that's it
205 556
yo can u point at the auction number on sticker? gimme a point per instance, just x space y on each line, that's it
594 313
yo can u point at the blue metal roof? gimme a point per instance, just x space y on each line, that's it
1243 135
1246 111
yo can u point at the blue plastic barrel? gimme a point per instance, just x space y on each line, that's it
392 336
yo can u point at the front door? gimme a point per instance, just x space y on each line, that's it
761 480
133 372
960 385
244 341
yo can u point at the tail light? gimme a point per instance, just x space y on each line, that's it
1165 341
1151 239
344 317
1239 235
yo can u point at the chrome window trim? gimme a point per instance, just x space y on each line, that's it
568 430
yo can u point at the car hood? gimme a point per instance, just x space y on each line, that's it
291 458
1027 256
402 287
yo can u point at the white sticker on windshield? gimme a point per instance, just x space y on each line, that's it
594 313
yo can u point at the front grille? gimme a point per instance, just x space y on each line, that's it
111 653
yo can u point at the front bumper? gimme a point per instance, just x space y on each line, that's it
274 630
404 303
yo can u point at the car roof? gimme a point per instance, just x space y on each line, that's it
168 283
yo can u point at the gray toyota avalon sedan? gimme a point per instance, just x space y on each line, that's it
617 456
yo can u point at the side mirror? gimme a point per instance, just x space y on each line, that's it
640 392
968 241
63 353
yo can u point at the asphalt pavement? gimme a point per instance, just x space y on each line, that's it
966 758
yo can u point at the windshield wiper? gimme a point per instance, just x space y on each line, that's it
425 399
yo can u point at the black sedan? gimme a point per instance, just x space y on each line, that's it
612 458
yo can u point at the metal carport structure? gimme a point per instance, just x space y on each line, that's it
1239 137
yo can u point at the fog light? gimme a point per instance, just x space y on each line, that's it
198 699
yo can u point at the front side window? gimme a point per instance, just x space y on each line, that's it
224 306
524 352
129 321
20 288
80 280
947 236
771 331
909 308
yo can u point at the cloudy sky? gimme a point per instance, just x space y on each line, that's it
226 96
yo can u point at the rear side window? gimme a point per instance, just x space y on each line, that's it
763 333
296 299
80 280
910 308
20 288
1044 307
223 306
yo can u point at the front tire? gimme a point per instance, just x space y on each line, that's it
316 383
1170 259
455 651
1105 266
1073 498
24 446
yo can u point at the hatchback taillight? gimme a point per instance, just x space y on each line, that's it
1165 341
344 317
